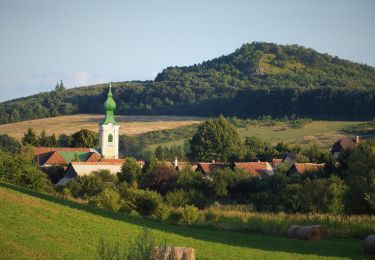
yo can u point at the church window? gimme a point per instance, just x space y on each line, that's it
110 138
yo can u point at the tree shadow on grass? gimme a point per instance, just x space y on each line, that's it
334 247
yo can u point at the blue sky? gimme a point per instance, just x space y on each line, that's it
86 42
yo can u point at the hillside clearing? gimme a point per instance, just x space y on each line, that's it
130 125
34 225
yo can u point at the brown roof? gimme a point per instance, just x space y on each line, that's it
303 167
257 169
43 150
345 144
112 161
94 157
55 159
210 167
102 162
277 160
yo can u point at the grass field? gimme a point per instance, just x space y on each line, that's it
130 125
323 133
37 226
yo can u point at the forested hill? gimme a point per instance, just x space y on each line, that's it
257 79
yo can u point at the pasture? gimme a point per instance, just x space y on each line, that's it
38 226
130 125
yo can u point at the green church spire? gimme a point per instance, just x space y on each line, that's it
109 107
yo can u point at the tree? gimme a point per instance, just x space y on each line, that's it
84 138
215 139
130 171
43 140
9 144
360 198
30 138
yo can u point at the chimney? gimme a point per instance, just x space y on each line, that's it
357 139
175 162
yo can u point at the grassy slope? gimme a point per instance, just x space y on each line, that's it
39 226
323 133
130 125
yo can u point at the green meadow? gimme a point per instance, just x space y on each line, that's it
38 226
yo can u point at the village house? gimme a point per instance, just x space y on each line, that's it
302 168
342 145
255 169
51 156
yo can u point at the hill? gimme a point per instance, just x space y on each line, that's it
40 226
256 79
130 125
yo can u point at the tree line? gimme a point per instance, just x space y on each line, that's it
257 79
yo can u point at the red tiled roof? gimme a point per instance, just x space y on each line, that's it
43 150
210 167
257 169
113 161
55 159
303 167
94 157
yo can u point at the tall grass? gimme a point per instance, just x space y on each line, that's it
339 226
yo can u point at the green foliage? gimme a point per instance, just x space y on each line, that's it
9 144
145 202
360 198
18 170
84 138
177 198
161 178
107 199
187 214
92 184
30 138
215 139
130 171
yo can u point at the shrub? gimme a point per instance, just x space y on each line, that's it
188 214
130 171
162 212
146 202
21 171
107 199
177 198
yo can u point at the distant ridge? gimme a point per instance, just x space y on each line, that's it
257 79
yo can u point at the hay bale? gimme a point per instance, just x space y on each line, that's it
369 244
293 231
315 232
175 253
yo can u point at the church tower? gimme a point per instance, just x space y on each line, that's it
109 130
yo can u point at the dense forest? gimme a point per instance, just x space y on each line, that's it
257 79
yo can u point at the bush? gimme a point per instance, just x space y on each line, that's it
146 202
92 184
130 171
187 214
107 199
177 198
19 170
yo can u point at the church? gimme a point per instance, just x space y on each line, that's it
83 161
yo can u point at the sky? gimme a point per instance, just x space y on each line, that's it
84 42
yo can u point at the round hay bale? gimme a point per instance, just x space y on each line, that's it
293 231
369 244
310 232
